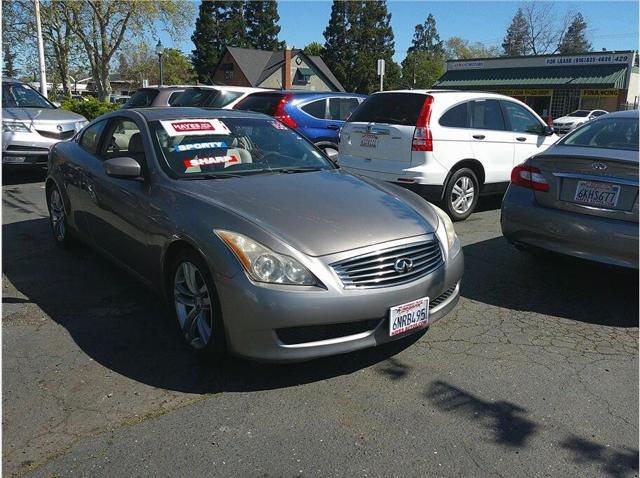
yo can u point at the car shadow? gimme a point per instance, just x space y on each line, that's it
498 274
12 175
125 327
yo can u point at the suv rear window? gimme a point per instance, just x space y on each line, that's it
392 108
142 98
196 97
262 103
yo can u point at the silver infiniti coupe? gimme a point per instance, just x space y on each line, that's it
260 244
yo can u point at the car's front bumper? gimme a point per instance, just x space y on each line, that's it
26 148
609 241
261 319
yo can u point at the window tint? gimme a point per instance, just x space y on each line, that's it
486 114
91 137
123 139
341 108
317 108
521 120
142 98
261 102
173 97
392 108
456 117
609 133
196 97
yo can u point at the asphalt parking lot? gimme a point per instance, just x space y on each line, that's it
534 374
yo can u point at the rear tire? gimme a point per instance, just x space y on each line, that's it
461 194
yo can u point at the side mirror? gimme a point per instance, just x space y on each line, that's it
124 167
547 131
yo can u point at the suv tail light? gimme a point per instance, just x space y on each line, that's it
281 115
529 177
422 140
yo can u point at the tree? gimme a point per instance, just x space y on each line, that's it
314 49
8 59
515 42
262 19
421 69
338 47
138 62
575 40
459 48
102 25
426 38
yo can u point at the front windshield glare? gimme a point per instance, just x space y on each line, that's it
609 133
579 114
234 146
17 95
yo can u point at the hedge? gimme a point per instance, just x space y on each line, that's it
90 109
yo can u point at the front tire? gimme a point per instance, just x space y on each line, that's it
58 219
461 194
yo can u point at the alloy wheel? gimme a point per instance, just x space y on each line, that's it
58 215
192 300
462 195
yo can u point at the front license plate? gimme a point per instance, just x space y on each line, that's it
369 141
409 316
594 193
14 159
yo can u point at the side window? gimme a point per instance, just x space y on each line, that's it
522 121
486 114
123 139
91 137
317 108
456 117
173 97
598 113
341 108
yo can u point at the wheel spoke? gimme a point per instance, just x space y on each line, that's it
188 327
457 189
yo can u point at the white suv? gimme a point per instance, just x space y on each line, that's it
448 146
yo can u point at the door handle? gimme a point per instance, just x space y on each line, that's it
333 126
478 136
521 138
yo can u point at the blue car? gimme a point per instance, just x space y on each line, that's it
317 115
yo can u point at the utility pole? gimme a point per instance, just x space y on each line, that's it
43 71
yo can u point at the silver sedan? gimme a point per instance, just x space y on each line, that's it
259 243
580 197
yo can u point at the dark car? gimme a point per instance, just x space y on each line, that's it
317 115
256 240
155 96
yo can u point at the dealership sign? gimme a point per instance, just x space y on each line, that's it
603 58
525 92
601 92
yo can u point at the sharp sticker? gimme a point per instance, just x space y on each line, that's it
190 163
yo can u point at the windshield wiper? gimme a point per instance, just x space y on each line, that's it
302 169
213 176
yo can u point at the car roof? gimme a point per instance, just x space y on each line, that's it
465 93
622 114
186 112
311 93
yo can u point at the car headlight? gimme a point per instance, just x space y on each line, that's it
14 127
447 224
264 265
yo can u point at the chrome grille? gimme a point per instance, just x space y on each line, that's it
377 269
51 135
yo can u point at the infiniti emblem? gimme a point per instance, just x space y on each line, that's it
59 127
599 166
403 265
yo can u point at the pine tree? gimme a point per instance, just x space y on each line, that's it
424 62
575 41
338 51
426 38
515 42
8 60
261 18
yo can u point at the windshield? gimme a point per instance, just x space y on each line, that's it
580 113
19 95
142 98
232 146
222 99
608 133
195 97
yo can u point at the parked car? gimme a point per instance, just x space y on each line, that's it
218 96
317 115
448 146
31 124
254 238
155 96
573 120
580 197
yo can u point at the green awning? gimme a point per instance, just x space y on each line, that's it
305 71
583 76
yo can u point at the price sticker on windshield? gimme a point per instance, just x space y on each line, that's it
195 127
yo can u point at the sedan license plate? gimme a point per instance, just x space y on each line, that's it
594 193
409 316
369 141
14 159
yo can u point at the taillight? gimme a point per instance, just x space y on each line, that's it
422 139
529 177
281 114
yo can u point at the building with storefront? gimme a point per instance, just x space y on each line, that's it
553 85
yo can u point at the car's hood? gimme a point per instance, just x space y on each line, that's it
570 119
41 115
318 213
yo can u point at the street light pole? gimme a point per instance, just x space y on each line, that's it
159 52
43 71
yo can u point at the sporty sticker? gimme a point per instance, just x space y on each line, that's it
191 163
194 127
207 145
277 125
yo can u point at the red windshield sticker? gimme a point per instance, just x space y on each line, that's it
190 163
195 127
277 125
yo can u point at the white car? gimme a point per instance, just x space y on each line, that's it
216 96
573 120
448 146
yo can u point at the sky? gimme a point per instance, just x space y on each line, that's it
612 25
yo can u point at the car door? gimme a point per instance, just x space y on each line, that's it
528 131
312 121
491 143
121 216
